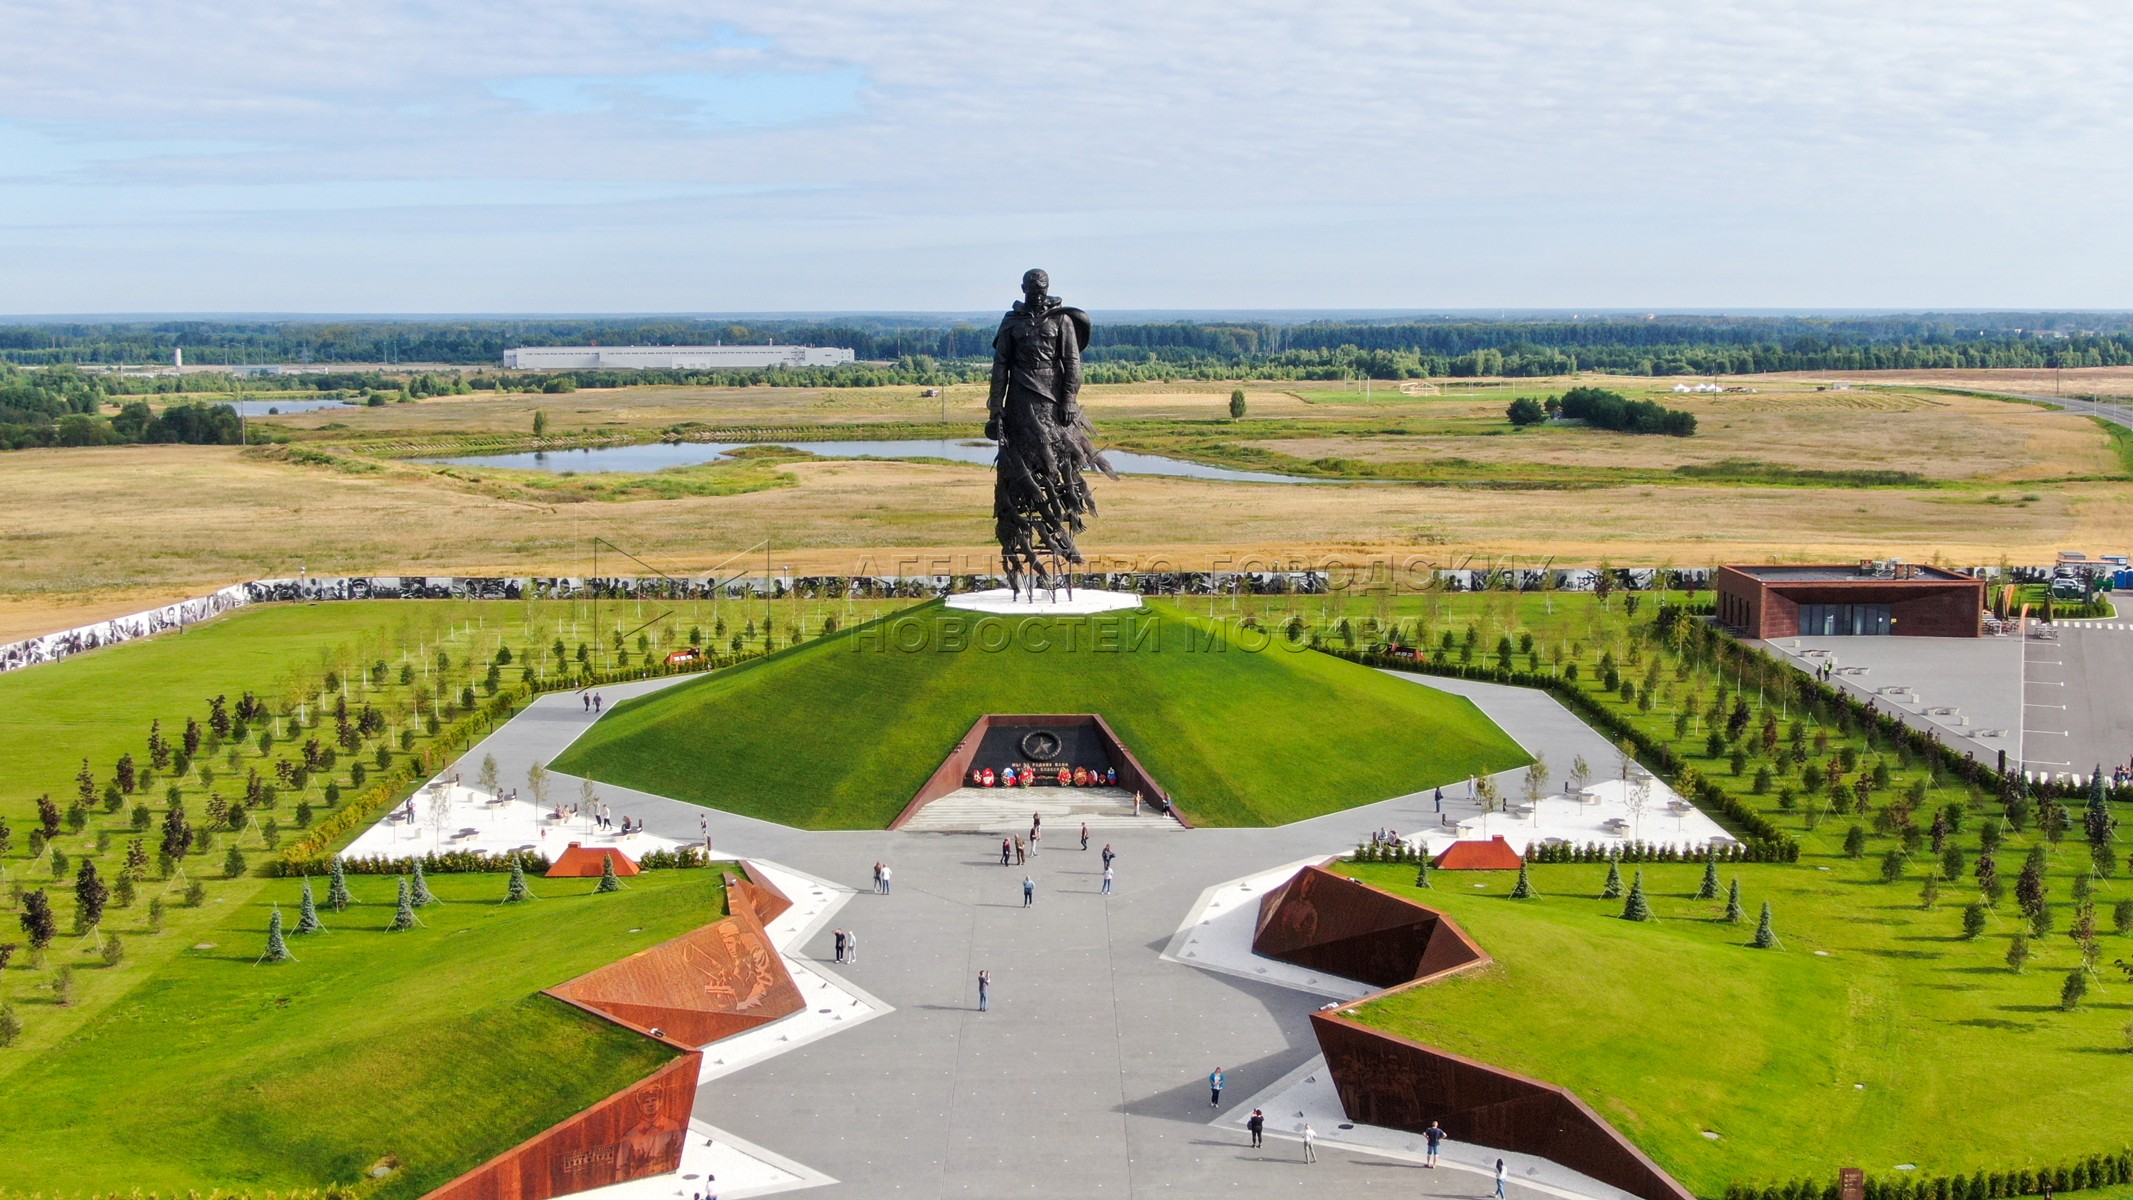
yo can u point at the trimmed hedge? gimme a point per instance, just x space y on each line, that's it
2095 1171
472 862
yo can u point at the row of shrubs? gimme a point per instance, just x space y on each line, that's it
2095 1171
1643 852
1590 852
472 862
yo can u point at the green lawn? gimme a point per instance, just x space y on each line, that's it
98 705
431 1046
1676 1027
839 734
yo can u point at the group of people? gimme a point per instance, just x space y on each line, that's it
1008 776
592 701
881 879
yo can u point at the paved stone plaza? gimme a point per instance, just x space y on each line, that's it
1088 1075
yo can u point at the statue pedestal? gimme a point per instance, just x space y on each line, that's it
1084 602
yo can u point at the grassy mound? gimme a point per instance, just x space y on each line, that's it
839 734
1876 1035
430 1046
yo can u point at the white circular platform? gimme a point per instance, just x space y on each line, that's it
1084 602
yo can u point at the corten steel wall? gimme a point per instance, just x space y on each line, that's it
710 983
635 1133
719 978
1334 924
1384 1079
1921 607
956 767
1330 922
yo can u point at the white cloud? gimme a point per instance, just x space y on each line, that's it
1439 152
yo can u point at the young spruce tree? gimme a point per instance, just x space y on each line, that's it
337 887
1636 908
608 882
1766 938
307 911
1612 889
277 949
518 890
1735 914
419 893
1709 888
1523 890
404 915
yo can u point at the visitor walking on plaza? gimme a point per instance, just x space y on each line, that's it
984 990
1029 891
1021 852
1257 1124
1215 1080
840 945
1107 881
1310 1143
1007 851
1034 834
1499 1179
1440 799
886 875
587 698
1433 1135
596 702
1084 836
1109 855
851 946
1136 803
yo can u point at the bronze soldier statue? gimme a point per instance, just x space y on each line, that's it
1039 496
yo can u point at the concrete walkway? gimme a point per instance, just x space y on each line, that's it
1088 1075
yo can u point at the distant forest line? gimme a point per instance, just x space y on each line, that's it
894 351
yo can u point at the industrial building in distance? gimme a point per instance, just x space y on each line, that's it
672 358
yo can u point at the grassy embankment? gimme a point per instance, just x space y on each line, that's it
1878 1034
1676 1028
99 706
1239 737
430 1048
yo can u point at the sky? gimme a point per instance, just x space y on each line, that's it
637 156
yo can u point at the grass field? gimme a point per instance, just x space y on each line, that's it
1877 1036
1238 737
430 1046
104 530
98 706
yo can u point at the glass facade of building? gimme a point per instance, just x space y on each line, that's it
1827 620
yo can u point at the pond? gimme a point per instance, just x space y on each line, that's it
658 456
269 408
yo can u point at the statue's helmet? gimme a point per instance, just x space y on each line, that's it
1035 280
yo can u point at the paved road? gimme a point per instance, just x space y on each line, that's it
1087 1078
